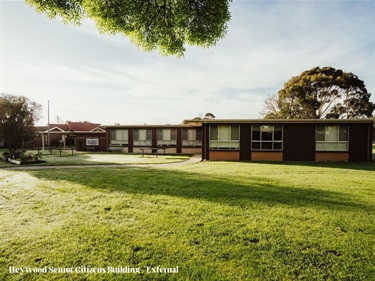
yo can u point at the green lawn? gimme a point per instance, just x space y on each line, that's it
214 220
84 158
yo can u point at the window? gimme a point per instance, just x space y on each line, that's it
142 137
267 137
224 137
167 136
191 137
331 138
119 137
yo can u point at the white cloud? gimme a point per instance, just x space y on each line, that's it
107 79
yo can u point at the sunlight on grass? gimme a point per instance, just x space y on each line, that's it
83 158
133 159
214 220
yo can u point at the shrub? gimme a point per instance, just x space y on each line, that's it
26 157
5 155
22 155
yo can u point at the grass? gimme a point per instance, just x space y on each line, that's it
214 220
84 158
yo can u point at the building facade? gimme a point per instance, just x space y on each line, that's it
347 140
84 136
172 139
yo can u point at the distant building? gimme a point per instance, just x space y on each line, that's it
81 135
172 139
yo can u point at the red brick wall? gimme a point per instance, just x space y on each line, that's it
224 155
331 157
266 156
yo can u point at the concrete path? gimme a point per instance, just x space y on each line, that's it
193 159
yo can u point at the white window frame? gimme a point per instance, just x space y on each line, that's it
167 137
332 137
142 137
219 141
119 137
191 137
262 142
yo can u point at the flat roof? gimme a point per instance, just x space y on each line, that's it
145 126
277 121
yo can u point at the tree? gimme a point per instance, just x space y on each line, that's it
321 93
163 24
17 117
271 109
209 115
58 120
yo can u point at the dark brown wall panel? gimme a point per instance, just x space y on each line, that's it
245 141
154 141
130 140
179 141
359 142
299 142
205 141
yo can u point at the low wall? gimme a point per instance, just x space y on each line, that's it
224 155
266 156
332 157
191 150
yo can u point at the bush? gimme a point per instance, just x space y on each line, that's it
22 155
5 155
26 157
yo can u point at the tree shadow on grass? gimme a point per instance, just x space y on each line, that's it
211 188
334 165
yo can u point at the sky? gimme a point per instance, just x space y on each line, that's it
87 76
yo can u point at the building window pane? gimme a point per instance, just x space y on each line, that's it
331 133
266 145
136 135
224 137
235 132
184 134
267 132
256 132
278 133
119 137
320 132
342 146
198 134
142 137
214 133
166 137
277 145
255 145
320 146
267 137
159 134
174 134
224 133
148 134
332 138
191 137
343 133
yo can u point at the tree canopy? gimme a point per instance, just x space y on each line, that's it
164 24
321 93
17 117
209 115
